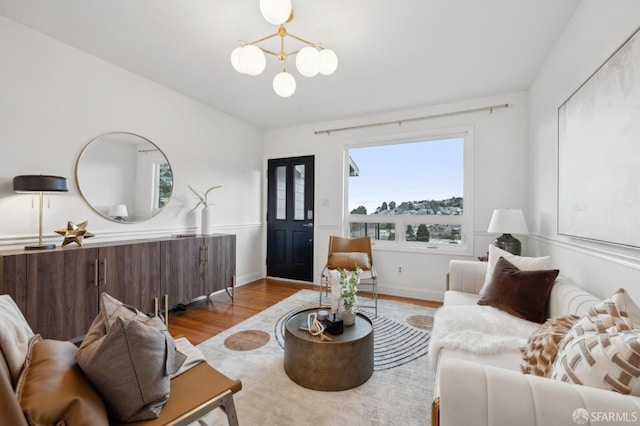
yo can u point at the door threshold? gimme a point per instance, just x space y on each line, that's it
289 280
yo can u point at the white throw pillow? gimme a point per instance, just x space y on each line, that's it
601 349
522 263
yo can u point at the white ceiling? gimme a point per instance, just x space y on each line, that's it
392 54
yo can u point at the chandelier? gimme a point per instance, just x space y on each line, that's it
311 60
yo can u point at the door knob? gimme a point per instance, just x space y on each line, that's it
308 225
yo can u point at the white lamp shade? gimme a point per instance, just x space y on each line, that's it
119 210
251 60
328 62
308 61
508 221
276 12
284 84
235 60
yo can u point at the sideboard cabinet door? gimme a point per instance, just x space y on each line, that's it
182 260
13 279
131 273
62 294
220 265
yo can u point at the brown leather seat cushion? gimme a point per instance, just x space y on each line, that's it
191 389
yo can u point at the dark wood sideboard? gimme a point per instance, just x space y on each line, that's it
58 290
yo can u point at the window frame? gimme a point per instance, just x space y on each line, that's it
401 221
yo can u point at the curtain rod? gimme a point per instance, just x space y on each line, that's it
406 120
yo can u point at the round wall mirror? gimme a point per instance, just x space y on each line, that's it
124 177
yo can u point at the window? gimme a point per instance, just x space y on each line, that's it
165 185
410 193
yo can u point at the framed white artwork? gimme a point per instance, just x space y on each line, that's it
599 152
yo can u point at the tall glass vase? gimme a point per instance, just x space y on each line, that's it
207 220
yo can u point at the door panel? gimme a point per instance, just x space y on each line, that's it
290 218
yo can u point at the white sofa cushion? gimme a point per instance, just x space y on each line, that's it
483 395
452 298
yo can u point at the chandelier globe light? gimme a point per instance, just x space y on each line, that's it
308 61
312 59
235 61
328 62
284 84
248 60
276 12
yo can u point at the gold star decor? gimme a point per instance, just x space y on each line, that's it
75 233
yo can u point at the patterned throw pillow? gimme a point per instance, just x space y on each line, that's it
602 349
542 346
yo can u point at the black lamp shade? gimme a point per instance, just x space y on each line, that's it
40 183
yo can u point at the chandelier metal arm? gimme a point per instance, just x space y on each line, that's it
305 41
270 52
310 43
260 40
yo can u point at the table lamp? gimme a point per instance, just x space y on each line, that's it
40 184
119 212
508 221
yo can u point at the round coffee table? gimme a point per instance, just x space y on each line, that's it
343 363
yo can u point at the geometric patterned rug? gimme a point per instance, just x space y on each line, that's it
394 343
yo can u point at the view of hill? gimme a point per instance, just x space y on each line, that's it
434 233
450 206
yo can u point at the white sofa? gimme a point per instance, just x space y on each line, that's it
490 389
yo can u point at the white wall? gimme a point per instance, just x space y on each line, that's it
55 99
499 179
595 31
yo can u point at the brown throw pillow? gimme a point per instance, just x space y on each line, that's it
521 293
541 349
129 357
53 390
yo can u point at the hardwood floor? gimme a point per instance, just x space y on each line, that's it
203 319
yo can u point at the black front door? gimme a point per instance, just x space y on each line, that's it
290 218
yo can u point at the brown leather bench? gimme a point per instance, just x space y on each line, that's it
195 393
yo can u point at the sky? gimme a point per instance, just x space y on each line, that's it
431 170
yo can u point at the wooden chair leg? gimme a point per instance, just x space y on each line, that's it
229 407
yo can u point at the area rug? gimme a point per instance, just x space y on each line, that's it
399 392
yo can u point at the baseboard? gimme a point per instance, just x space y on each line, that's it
248 278
426 294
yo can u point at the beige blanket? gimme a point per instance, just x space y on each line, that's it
15 334
194 356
